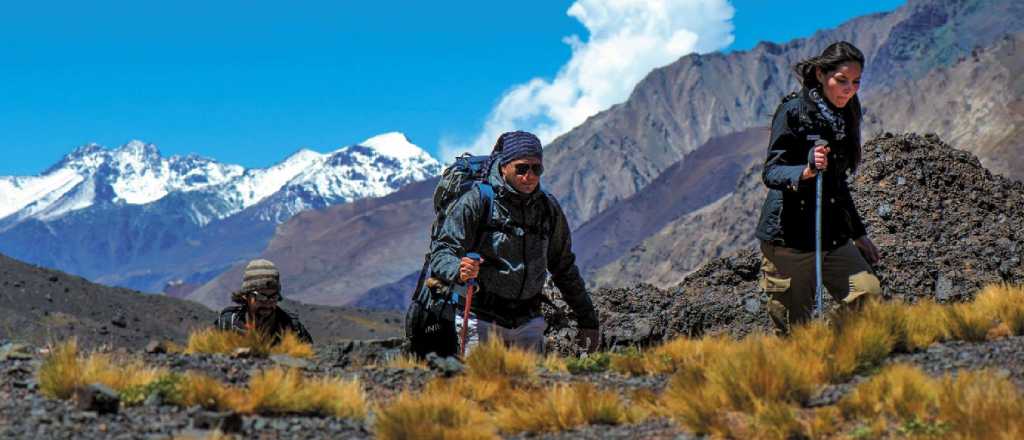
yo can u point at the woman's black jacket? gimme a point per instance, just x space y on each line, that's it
787 217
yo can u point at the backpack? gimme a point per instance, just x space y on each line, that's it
430 319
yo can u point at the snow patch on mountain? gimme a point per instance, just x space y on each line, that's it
16 193
137 174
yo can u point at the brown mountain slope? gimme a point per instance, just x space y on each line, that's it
703 176
40 305
335 255
977 103
667 257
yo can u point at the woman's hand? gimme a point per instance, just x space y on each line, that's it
868 249
820 162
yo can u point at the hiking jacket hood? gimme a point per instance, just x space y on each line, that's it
787 216
527 238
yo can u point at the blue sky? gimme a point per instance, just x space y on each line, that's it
249 82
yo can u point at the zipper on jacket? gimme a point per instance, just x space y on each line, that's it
526 265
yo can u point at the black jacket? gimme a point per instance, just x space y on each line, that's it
234 317
787 217
528 236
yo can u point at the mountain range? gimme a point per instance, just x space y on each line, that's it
134 218
653 187
657 185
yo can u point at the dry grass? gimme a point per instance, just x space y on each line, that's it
563 407
631 362
65 370
432 416
291 345
927 323
202 390
981 405
969 322
493 359
485 392
270 391
687 356
215 341
901 391
860 344
554 363
279 391
405 362
751 376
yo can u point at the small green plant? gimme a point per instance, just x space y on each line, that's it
593 363
167 387
923 428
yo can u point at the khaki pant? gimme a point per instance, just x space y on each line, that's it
529 336
787 276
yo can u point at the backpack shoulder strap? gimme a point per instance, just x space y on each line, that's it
487 194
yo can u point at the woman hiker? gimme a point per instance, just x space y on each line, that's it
815 130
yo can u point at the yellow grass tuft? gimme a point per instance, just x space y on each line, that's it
279 391
563 407
215 341
291 345
405 362
631 362
485 392
859 344
927 323
751 376
61 371
970 321
432 416
981 404
492 359
65 370
900 391
687 356
822 422
202 390
554 364
1006 303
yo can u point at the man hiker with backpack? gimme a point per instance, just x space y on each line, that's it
521 235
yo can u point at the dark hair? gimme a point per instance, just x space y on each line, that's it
830 59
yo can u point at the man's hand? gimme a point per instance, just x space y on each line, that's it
868 249
469 269
589 339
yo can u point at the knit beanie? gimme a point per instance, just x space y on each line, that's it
259 275
517 145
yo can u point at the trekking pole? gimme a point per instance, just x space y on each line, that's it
470 288
818 288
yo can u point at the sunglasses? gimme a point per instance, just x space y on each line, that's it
264 296
522 168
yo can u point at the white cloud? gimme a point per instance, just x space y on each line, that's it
628 39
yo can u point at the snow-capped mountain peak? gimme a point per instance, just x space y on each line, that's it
137 174
394 144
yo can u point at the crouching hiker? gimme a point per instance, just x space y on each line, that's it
521 235
815 133
258 309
